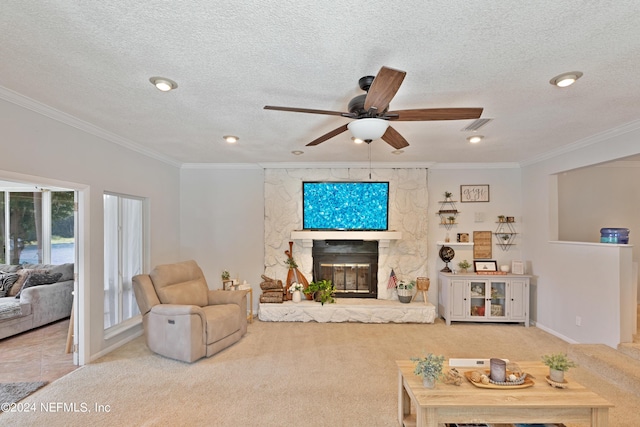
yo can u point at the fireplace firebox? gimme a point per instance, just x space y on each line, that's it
351 265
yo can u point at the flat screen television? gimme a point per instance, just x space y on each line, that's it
342 205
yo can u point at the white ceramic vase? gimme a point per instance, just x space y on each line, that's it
556 375
297 296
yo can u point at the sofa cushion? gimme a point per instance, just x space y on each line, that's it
6 282
9 268
222 321
65 269
22 276
36 279
191 292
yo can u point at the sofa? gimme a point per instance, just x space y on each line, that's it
182 318
32 295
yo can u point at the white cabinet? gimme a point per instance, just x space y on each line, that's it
481 298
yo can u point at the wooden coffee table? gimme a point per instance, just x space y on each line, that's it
467 403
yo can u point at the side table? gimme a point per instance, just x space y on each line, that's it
250 302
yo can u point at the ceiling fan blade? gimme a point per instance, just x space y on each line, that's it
383 89
394 139
305 110
424 114
329 135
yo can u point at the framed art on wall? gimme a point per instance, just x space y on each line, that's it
474 193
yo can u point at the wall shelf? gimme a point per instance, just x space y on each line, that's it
443 243
505 234
447 210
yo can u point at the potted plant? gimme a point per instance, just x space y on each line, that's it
501 218
296 291
447 195
322 290
225 275
429 368
464 265
405 291
558 364
452 219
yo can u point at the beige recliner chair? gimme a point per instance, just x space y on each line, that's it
182 318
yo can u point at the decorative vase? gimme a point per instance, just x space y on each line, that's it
428 382
556 375
297 297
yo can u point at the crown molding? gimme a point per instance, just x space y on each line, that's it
585 142
42 109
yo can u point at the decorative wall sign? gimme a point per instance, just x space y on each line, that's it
482 244
463 237
517 267
474 193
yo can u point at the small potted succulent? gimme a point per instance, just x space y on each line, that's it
405 291
429 368
464 266
447 196
225 275
558 364
502 218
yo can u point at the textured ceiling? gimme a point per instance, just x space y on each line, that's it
93 60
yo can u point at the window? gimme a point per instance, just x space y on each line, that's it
33 220
123 256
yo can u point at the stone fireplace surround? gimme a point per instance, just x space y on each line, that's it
404 248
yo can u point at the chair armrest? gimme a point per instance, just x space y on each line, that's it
176 310
227 297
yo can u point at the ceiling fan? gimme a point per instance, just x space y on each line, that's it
372 115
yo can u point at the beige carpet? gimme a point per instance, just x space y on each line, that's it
286 374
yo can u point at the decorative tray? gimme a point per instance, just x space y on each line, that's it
528 382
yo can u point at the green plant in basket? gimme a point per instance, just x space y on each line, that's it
323 290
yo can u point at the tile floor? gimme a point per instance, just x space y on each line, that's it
36 355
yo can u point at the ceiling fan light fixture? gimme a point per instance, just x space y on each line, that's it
566 79
231 139
474 139
163 84
368 129
357 140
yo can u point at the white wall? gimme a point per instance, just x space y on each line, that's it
556 289
505 198
39 149
222 222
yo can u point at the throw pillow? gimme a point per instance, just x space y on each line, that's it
36 279
22 276
6 282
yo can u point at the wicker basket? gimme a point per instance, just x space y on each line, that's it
423 283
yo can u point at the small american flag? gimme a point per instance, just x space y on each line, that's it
393 280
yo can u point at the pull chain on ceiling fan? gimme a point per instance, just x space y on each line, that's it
371 111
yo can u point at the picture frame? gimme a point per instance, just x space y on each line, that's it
517 267
463 238
474 193
485 265
482 245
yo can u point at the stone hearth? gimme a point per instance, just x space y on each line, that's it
348 310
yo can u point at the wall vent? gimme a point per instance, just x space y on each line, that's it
477 124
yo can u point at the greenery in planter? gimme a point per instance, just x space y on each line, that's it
447 195
323 291
225 275
464 264
501 218
429 367
407 286
559 362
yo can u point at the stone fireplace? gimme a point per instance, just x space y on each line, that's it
403 247
351 265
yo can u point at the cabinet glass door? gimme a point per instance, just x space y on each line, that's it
498 300
477 299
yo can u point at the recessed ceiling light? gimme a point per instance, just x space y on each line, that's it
297 152
566 79
163 84
231 139
474 139
396 152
